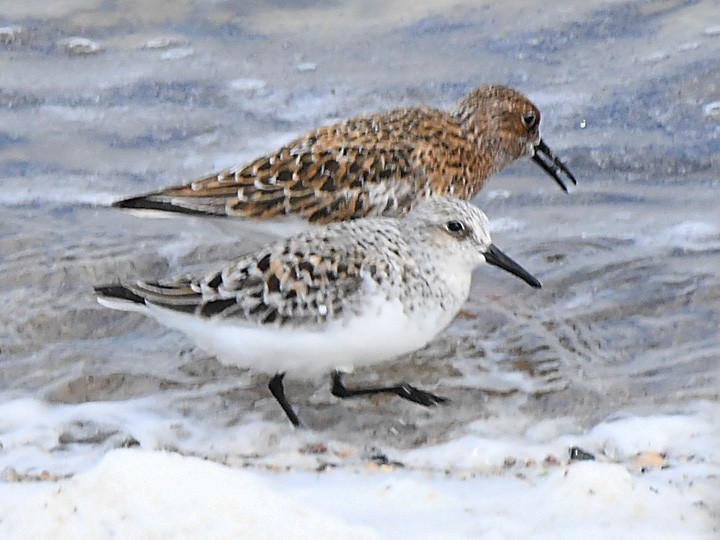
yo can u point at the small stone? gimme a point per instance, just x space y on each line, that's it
78 46
343 454
578 454
11 475
129 442
381 460
649 460
316 448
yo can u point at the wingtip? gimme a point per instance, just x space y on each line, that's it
117 292
120 204
154 206
139 203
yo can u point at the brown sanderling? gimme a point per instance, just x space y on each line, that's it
347 294
379 165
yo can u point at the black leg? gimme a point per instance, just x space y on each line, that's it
402 390
278 392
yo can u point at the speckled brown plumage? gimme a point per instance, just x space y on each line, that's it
374 165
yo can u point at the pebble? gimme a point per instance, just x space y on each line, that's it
316 448
11 475
649 460
578 454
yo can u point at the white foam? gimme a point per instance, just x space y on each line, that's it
177 53
165 42
483 450
690 234
79 46
712 109
493 480
306 67
248 85
162 495
689 46
656 56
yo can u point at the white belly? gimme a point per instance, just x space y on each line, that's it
383 332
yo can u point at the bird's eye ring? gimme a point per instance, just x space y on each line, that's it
529 119
455 227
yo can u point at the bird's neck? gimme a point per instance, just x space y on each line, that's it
483 134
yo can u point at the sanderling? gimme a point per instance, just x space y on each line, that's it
379 165
347 294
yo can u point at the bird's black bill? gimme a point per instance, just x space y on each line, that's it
552 165
497 258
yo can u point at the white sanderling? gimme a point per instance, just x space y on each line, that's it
347 294
377 165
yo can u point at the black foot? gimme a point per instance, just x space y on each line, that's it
402 390
278 391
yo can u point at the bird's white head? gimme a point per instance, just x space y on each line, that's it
459 235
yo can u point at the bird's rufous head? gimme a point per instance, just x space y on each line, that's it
507 125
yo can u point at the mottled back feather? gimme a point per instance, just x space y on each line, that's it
301 281
379 165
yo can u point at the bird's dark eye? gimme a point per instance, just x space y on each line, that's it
455 227
529 119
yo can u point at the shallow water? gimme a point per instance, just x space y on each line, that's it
628 318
